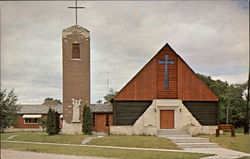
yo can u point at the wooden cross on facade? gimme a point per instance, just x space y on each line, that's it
76 9
166 62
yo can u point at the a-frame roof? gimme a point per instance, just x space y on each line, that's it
148 83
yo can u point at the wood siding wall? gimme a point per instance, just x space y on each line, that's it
127 112
148 84
191 87
142 86
162 92
204 112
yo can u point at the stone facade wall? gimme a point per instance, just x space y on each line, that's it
206 130
149 121
121 130
72 128
187 119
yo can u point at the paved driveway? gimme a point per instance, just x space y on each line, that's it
10 154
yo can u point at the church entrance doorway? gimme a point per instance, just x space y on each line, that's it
167 119
102 122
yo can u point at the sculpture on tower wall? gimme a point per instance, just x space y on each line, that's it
76 110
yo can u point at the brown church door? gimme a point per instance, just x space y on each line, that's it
167 119
100 122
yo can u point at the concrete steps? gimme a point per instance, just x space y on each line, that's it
197 145
99 133
189 140
172 132
184 140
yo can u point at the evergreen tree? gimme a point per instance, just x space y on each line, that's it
57 122
49 125
87 120
53 122
52 126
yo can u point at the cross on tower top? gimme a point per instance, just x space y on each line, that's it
76 9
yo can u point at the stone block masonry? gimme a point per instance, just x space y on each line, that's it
149 122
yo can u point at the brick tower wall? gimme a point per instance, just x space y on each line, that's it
76 71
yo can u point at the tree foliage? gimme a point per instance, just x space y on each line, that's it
58 101
8 109
110 95
99 101
52 126
43 122
231 96
87 120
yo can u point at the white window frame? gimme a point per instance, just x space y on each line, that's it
31 123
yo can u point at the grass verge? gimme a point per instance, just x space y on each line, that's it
5 135
134 141
101 152
43 137
245 157
238 143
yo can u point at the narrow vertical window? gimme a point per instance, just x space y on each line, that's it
76 51
107 120
93 120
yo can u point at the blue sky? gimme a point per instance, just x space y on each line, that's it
211 36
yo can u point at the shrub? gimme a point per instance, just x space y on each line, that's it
87 120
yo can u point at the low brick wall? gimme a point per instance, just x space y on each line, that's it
22 129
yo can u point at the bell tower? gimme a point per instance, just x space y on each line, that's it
76 76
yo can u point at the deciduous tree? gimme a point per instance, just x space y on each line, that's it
231 96
8 109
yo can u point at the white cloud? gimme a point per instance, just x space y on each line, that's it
211 36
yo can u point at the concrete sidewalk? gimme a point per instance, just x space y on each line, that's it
221 153
11 154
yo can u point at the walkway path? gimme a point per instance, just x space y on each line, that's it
10 154
221 153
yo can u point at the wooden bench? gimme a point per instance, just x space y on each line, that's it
225 127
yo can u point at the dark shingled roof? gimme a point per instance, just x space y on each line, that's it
43 109
101 108
38 108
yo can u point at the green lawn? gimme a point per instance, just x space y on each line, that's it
134 141
112 140
239 143
102 152
246 157
43 137
5 135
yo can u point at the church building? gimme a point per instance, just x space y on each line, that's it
165 94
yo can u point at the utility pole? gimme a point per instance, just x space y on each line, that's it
108 82
227 112
246 127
